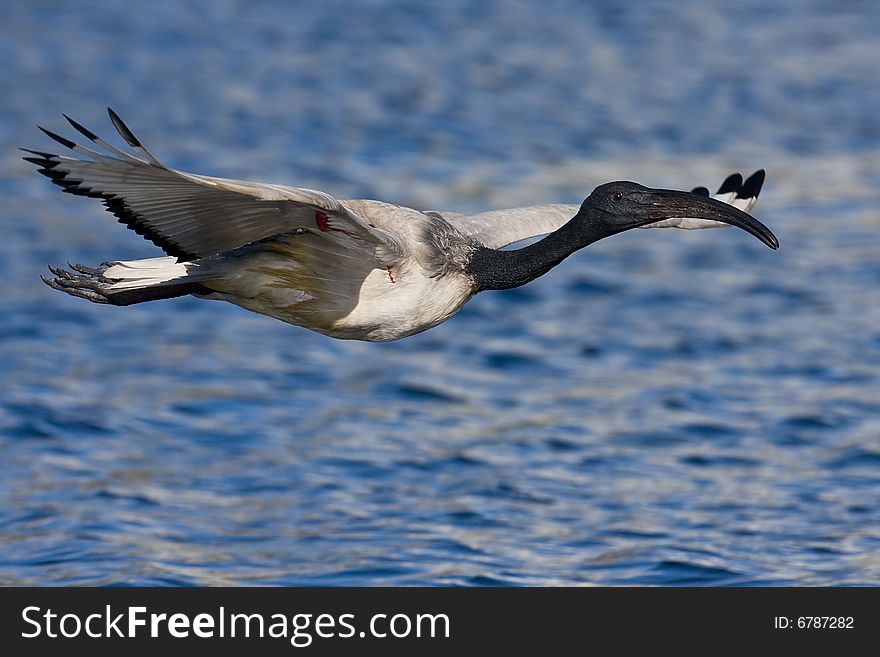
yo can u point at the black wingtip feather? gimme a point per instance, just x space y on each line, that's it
752 187
733 183
700 191
61 140
49 164
40 153
82 130
39 161
123 129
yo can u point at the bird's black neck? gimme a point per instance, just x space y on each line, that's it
500 270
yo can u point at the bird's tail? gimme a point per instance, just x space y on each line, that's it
127 282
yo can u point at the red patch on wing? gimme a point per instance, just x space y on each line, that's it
390 275
322 221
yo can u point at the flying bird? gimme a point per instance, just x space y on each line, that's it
350 269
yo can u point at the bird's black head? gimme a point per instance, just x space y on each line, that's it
618 206
611 208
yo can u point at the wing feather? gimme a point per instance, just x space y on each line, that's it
191 216
498 228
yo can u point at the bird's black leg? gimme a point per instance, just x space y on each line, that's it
84 282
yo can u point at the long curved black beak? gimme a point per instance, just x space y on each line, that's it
668 203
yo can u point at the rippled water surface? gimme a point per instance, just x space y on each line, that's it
665 407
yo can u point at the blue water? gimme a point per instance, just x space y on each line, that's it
666 407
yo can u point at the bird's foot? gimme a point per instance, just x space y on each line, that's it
83 282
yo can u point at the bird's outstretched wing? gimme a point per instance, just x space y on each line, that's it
499 228
191 216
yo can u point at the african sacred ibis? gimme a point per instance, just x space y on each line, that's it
354 269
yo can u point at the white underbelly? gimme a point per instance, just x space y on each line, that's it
389 310
371 304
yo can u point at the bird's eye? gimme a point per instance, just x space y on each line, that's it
616 196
